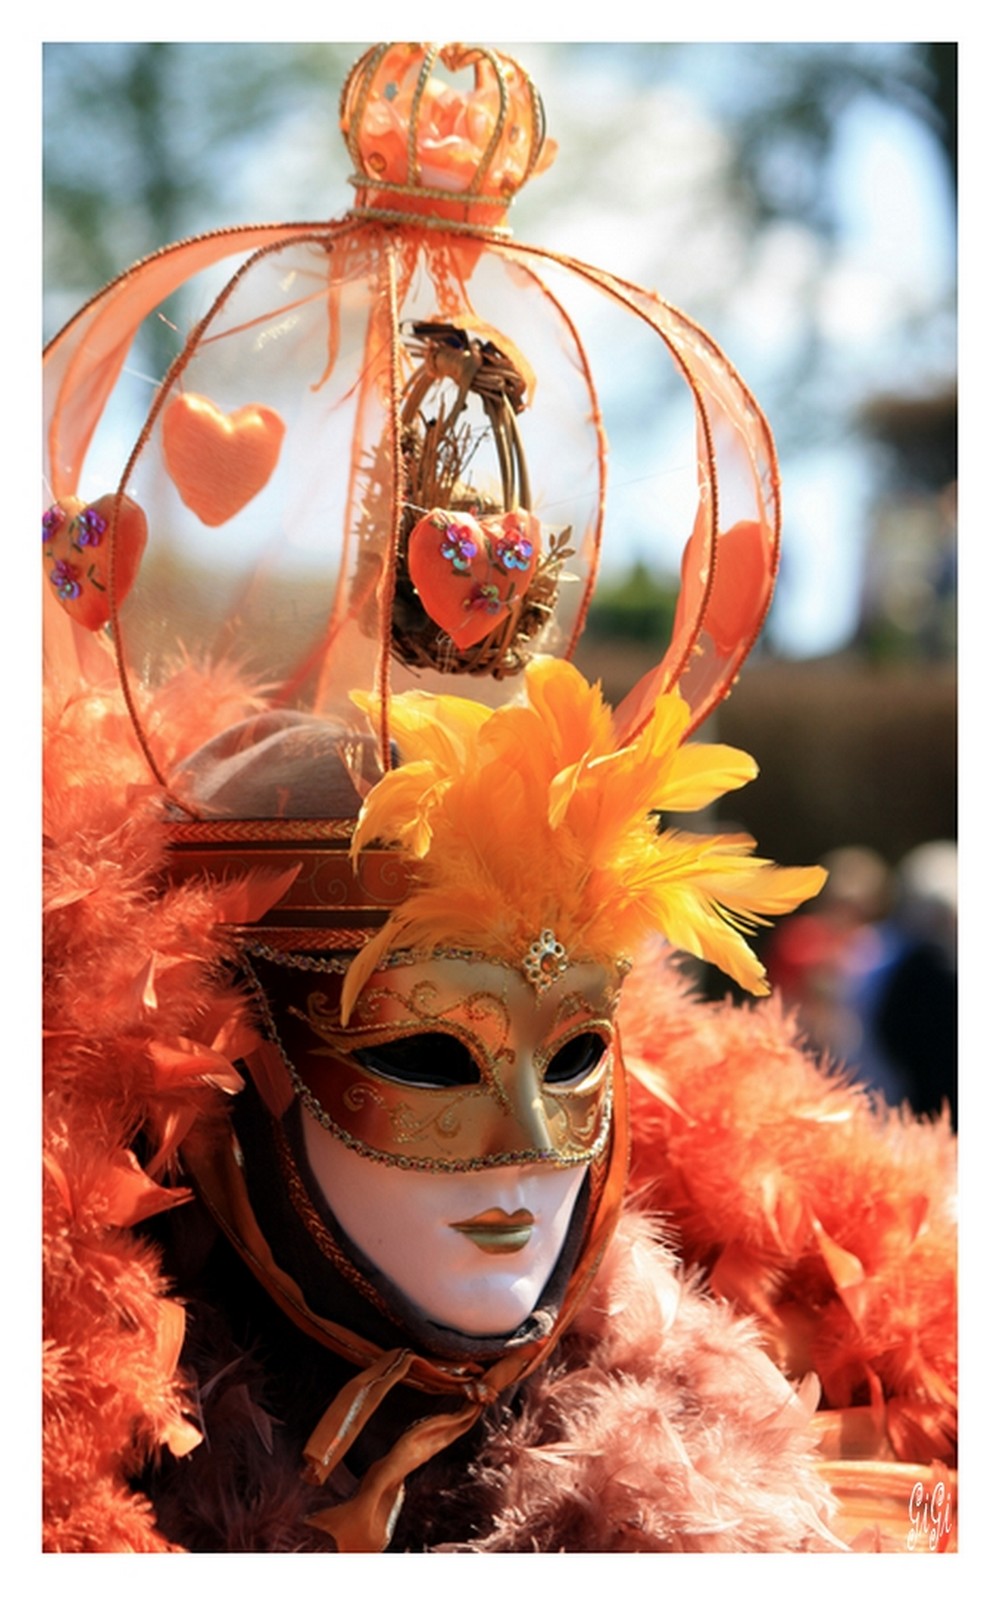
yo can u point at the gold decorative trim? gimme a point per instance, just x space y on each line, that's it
327 882
297 941
212 832
384 214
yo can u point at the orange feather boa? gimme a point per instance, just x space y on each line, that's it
825 1216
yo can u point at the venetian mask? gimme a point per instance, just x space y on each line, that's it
452 1122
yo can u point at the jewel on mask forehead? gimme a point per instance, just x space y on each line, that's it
545 961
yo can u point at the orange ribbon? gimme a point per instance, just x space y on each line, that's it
365 1521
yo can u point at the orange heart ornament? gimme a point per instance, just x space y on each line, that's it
219 461
471 575
76 550
742 582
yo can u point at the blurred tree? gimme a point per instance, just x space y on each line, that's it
793 106
637 607
166 135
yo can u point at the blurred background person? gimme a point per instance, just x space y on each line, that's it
914 1014
871 970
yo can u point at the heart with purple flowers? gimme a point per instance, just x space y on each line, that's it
76 550
471 574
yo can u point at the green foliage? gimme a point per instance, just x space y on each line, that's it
638 607
148 143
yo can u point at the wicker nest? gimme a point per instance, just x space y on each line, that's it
437 448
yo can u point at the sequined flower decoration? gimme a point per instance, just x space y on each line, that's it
64 578
90 527
52 520
459 548
531 818
485 598
513 550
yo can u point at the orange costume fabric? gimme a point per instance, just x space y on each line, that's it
659 1423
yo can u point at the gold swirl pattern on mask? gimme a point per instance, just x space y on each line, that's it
423 1005
407 1125
577 1003
453 1128
595 1155
423 1002
506 1115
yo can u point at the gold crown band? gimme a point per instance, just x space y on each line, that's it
382 214
297 940
328 890
430 192
262 833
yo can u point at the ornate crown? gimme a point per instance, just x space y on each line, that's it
421 145
330 488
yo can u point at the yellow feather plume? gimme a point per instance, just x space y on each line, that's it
530 817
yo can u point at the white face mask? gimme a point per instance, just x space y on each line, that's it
459 1245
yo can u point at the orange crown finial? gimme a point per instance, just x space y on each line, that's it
424 147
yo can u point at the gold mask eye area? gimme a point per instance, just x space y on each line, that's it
421 1059
575 1060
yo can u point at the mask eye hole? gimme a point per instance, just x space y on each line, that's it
575 1060
425 1059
